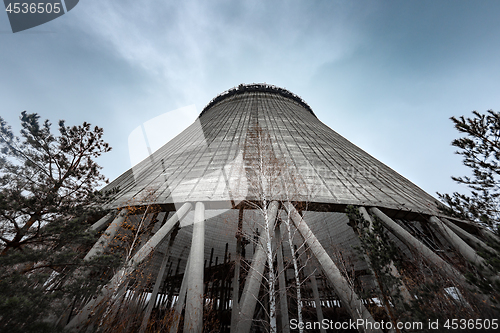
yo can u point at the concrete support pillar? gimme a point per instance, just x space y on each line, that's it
254 277
161 234
285 321
98 226
468 252
193 320
107 236
236 290
117 304
415 244
317 300
460 245
111 288
469 238
63 319
394 271
179 305
235 311
157 284
101 224
488 234
349 298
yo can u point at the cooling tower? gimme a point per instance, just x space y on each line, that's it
239 224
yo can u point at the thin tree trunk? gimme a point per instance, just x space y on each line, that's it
296 272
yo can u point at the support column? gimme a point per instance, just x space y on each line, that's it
107 236
161 234
415 244
112 286
254 277
348 297
285 321
159 279
317 300
472 240
101 224
457 242
468 252
488 234
193 320
236 279
394 271
179 305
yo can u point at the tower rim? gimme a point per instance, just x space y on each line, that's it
256 87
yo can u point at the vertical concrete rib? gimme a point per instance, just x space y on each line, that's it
107 236
254 277
193 321
349 298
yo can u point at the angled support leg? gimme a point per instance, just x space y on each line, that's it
113 286
488 234
394 271
415 244
461 246
179 305
429 255
471 239
468 252
156 288
101 224
107 236
161 234
349 298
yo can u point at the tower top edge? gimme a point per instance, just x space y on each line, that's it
256 87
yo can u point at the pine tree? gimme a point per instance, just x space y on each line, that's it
480 148
48 198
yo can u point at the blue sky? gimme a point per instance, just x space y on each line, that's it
387 75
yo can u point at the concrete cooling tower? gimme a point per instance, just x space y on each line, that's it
260 218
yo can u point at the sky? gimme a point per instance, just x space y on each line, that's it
386 75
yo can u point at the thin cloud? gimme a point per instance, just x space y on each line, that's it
185 45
